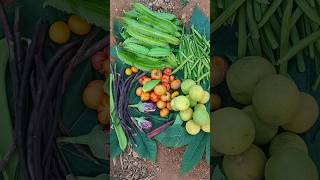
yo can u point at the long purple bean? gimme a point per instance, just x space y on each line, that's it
21 100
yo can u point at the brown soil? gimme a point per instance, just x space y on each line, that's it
129 166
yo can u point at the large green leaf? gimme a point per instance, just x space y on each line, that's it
208 149
114 145
145 147
200 22
217 174
93 11
96 140
73 107
174 137
194 152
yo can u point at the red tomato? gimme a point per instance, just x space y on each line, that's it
166 85
142 79
167 71
165 79
97 60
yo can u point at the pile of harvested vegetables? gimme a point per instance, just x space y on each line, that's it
159 86
265 123
33 118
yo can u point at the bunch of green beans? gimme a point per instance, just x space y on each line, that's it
194 57
279 30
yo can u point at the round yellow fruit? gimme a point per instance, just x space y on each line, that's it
78 25
59 32
93 94
206 128
192 128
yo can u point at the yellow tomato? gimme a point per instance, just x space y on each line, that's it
59 32
78 25
128 72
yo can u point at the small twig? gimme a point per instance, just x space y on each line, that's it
7 156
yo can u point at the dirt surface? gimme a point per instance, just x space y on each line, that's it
129 166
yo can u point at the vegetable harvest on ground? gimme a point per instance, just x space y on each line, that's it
265 121
159 86
43 95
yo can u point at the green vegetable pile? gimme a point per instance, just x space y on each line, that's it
149 38
172 98
280 30
194 57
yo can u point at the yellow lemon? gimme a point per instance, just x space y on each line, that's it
192 128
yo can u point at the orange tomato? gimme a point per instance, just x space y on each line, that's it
93 94
154 97
164 112
161 104
156 74
175 84
169 105
145 97
104 111
166 97
139 91
160 90
171 78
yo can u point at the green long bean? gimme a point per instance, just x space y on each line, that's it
227 13
295 39
300 46
309 11
272 9
242 35
253 27
285 34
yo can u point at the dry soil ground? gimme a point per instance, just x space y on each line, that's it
167 166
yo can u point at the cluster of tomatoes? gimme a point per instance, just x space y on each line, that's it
161 94
100 62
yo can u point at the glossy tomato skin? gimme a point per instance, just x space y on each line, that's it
167 71
154 97
98 60
156 74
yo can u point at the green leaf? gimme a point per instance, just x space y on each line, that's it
117 30
208 149
174 137
217 174
194 152
178 120
73 106
93 11
200 22
145 147
114 145
96 140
